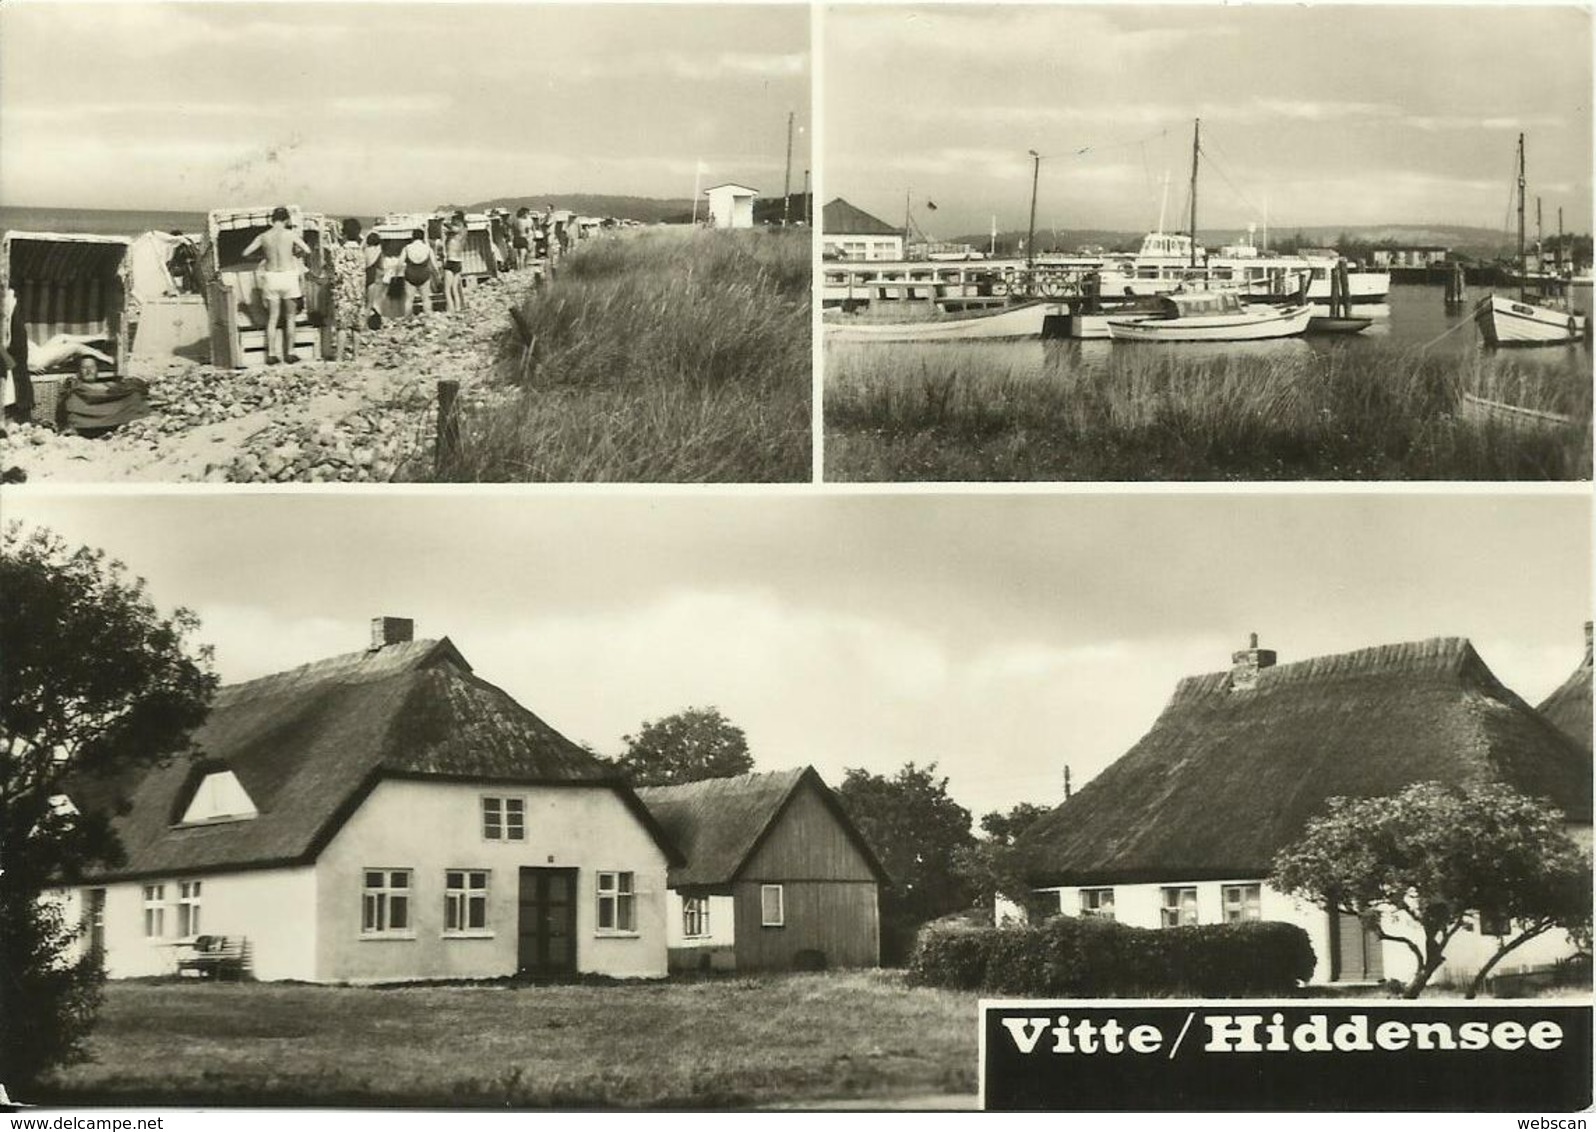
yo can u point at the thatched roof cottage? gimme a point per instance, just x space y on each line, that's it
1183 827
1569 708
776 874
384 815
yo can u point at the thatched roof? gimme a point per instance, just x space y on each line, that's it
1227 777
1570 706
719 823
309 744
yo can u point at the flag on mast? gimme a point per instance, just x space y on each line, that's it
698 181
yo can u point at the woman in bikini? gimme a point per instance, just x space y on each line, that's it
418 268
454 262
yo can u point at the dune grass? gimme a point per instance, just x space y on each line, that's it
655 357
1151 414
735 1042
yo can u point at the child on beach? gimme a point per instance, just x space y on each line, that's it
454 261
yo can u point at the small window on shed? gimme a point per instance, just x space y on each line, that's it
219 797
772 909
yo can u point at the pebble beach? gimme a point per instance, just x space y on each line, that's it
370 420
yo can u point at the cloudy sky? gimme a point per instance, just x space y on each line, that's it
368 107
1364 114
1001 637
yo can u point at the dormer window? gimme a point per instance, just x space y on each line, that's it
218 797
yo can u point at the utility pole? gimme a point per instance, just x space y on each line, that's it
1067 790
808 219
1030 233
786 178
1196 147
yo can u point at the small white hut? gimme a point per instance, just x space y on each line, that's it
731 206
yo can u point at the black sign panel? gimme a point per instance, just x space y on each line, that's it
1286 1057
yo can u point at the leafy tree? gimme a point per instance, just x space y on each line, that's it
1006 828
1438 856
95 683
918 832
991 866
690 746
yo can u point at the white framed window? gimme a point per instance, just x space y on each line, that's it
1098 902
503 819
695 916
1242 902
1179 906
465 900
154 911
188 909
617 903
772 906
385 902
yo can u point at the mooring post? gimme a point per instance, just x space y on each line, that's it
448 446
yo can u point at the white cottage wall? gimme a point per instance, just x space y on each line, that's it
431 827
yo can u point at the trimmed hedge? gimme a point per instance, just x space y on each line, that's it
1086 957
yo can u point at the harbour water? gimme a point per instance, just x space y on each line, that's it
98 221
1416 321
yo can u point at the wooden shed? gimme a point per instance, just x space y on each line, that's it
777 877
237 310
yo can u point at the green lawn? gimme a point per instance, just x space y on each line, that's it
777 1040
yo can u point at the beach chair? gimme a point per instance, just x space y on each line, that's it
237 310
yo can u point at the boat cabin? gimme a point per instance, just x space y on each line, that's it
1199 304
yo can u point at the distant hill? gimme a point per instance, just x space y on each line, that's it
1478 243
648 210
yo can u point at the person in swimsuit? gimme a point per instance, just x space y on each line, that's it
454 261
418 264
374 280
279 279
521 239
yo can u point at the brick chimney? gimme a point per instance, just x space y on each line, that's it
391 631
1246 664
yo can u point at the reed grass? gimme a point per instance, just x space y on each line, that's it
658 357
1384 413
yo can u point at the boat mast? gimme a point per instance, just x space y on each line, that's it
1540 258
1030 235
1196 135
1523 263
1559 239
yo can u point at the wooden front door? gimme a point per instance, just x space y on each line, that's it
1355 951
546 924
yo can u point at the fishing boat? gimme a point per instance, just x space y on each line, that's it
1016 320
1174 260
1509 322
1211 316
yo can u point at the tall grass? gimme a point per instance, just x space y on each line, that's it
1151 414
656 357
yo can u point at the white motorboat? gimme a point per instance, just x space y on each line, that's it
1019 320
1211 316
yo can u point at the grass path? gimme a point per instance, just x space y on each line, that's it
779 1041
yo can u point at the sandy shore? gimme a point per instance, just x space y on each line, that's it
369 420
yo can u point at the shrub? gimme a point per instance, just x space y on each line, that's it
1075 957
